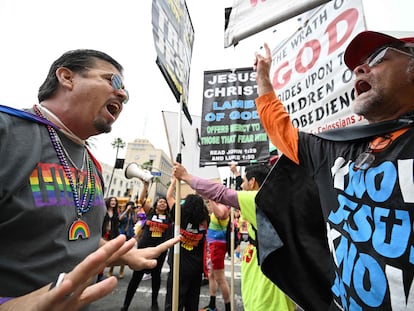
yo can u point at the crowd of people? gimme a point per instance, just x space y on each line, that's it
358 196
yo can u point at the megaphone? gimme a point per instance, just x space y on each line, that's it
134 170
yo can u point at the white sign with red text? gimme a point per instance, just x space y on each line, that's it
248 17
309 74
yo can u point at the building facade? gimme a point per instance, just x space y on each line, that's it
119 185
143 153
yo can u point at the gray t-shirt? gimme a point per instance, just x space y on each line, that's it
37 209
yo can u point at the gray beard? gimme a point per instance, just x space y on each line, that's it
368 106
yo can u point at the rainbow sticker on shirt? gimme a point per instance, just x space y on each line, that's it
78 229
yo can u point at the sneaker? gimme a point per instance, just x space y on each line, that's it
208 309
147 276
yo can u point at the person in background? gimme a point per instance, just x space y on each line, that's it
244 234
258 292
238 180
237 176
143 206
127 220
206 259
110 226
193 229
362 173
156 230
215 254
237 240
142 217
51 192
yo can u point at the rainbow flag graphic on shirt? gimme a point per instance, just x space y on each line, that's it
51 187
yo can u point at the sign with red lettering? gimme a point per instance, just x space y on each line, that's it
248 17
309 74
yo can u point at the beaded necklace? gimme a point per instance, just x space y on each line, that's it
83 204
84 157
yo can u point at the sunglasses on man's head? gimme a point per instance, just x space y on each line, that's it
378 57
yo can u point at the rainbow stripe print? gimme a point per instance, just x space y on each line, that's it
79 229
50 186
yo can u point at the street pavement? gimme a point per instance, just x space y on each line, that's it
142 298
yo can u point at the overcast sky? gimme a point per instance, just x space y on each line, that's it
34 33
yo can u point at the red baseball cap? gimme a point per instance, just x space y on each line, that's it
366 43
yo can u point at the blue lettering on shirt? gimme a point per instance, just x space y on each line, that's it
374 246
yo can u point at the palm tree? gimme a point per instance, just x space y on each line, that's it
117 143
147 165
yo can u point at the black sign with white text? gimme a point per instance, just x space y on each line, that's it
230 125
